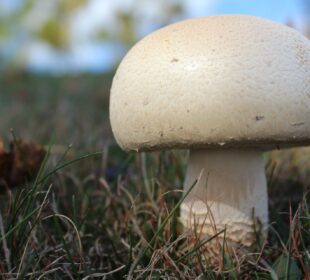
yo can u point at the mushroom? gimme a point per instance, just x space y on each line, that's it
227 88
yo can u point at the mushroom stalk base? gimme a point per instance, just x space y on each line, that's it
230 193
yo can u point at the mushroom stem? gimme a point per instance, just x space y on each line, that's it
231 192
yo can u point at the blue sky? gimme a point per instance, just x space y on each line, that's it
86 55
277 10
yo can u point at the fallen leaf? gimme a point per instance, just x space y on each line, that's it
21 164
6 160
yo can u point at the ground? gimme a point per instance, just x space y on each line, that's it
95 212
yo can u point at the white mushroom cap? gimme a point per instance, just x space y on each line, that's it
232 79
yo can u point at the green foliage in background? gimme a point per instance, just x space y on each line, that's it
54 30
55 33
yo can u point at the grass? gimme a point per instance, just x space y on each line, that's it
95 212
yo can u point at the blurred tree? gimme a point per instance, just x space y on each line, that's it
50 22
14 32
127 27
9 28
129 21
67 6
55 29
55 33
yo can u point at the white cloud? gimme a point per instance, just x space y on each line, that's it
196 8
